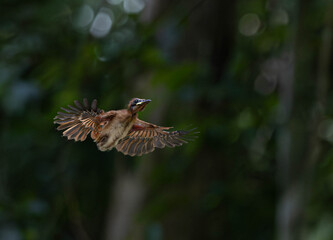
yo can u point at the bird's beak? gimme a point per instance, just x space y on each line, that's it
145 101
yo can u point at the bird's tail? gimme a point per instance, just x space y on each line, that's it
77 122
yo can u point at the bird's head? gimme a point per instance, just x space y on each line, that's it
137 104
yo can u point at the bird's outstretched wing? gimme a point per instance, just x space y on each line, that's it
145 137
78 121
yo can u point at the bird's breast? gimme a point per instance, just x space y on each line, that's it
112 133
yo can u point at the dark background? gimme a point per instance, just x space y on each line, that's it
252 76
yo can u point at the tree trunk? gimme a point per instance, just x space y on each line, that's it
303 101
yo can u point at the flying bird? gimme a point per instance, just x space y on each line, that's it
120 129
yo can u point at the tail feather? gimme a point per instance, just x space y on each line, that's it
77 122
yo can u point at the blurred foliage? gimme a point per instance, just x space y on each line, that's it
210 64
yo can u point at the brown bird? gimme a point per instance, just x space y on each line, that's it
120 129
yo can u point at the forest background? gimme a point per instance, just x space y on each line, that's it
252 76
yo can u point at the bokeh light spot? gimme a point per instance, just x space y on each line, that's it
114 2
249 24
101 25
84 17
133 6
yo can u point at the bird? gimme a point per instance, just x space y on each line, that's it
119 129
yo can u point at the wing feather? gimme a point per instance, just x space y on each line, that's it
77 122
158 142
94 105
78 104
145 137
86 104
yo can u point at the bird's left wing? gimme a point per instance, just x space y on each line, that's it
77 122
145 137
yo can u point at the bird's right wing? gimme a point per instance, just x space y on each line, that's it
145 137
80 120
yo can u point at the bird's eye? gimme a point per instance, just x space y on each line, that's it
136 101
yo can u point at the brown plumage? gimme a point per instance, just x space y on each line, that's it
120 129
